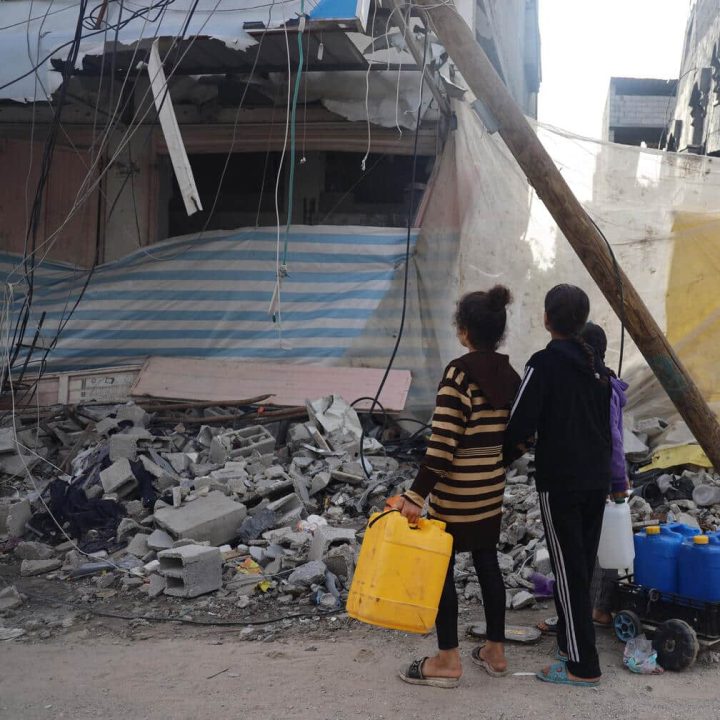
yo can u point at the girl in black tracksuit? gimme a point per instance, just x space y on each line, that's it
564 398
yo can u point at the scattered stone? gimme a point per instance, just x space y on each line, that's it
34 551
308 574
523 599
28 568
159 540
10 598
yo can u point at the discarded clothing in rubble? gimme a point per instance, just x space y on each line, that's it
148 494
70 506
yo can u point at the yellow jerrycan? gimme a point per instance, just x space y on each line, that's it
400 573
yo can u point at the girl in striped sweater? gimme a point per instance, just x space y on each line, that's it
463 480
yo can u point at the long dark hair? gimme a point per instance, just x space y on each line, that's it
567 308
483 316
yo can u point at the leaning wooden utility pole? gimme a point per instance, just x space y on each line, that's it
576 225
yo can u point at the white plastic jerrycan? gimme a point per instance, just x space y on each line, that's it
617 549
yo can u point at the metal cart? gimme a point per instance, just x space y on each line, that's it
681 627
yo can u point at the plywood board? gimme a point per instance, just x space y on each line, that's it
103 385
291 385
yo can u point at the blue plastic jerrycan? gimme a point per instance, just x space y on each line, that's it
656 555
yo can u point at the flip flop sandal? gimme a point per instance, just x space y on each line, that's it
560 656
484 664
548 626
414 676
558 675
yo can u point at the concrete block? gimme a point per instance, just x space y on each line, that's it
10 598
157 585
128 527
118 478
122 446
326 537
105 426
16 517
288 509
340 560
250 440
542 561
178 461
308 574
138 546
34 551
28 568
135 414
159 540
191 570
215 518
7 440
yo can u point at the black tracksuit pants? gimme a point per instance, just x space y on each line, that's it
573 521
492 587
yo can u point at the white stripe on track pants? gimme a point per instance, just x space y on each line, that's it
573 521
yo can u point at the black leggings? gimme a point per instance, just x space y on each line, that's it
493 592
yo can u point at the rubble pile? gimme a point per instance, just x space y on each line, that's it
258 515
187 510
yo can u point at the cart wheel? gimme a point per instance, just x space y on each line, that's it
676 644
627 625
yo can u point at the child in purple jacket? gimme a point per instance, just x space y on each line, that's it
602 582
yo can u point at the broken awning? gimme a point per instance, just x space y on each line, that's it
35 37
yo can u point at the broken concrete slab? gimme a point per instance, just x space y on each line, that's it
16 518
159 540
134 413
118 478
28 568
10 598
191 570
215 518
289 509
308 574
34 551
157 585
325 537
122 446
138 546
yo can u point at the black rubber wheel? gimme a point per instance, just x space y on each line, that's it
676 644
627 625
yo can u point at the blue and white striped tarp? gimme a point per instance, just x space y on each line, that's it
210 297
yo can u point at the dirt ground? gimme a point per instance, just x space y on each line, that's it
319 668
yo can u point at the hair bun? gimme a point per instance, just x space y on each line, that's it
498 298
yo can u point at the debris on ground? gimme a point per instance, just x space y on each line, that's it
264 510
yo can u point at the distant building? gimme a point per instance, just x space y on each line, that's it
694 126
638 109
509 33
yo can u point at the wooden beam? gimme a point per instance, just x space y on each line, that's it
577 226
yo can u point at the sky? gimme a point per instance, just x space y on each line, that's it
586 42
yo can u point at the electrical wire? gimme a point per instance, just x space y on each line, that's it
410 218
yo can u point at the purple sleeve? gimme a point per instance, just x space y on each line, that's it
618 470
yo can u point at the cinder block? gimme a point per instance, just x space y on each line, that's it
118 478
215 518
135 414
288 509
122 446
326 537
191 570
252 439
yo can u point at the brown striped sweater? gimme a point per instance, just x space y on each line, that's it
463 472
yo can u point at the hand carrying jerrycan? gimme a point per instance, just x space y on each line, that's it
616 550
400 573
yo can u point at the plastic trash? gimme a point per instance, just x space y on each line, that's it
543 585
706 495
617 549
312 523
640 657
